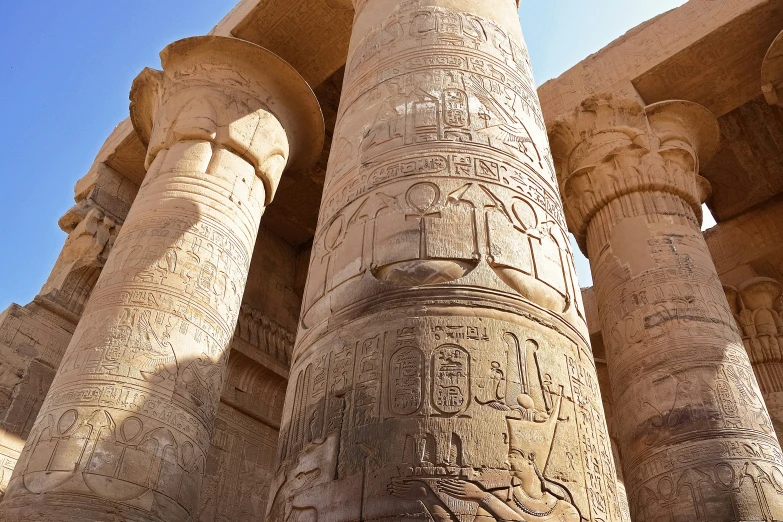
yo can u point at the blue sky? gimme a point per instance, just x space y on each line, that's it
66 72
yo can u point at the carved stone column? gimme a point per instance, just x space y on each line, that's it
442 369
125 428
755 305
696 439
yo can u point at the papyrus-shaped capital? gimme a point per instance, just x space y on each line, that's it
609 147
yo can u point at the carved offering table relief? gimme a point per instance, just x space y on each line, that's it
125 429
696 439
442 370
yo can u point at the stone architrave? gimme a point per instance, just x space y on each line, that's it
126 426
696 438
755 305
442 336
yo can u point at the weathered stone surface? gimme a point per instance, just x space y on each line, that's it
442 369
428 275
748 168
35 336
239 468
126 429
707 52
687 408
605 385
749 245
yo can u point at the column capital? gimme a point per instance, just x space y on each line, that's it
609 147
772 73
760 293
234 94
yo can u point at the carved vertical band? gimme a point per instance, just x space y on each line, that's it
125 428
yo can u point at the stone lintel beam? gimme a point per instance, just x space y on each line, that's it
772 73
126 427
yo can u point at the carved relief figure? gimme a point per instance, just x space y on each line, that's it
529 496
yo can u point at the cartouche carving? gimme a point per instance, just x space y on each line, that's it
127 425
696 438
441 370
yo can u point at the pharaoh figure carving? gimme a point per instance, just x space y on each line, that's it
126 426
696 437
529 495
442 369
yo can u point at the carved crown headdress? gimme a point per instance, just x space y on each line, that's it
535 437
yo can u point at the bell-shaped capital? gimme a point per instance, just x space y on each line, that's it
234 94
760 293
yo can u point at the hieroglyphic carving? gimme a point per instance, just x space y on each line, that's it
32 342
127 424
406 381
512 380
450 379
696 438
441 237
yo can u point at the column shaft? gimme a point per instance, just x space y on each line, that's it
442 370
126 426
694 432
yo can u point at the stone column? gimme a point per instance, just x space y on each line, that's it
696 439
126 425
755 305
442 369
